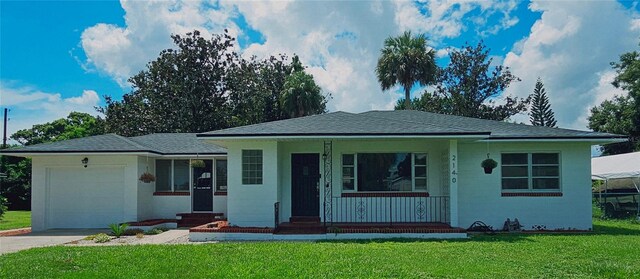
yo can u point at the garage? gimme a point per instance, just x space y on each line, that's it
78 197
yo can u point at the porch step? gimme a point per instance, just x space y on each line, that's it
304 219
197 219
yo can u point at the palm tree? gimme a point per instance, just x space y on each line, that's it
301 96
406 60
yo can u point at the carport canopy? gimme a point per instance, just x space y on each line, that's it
616 166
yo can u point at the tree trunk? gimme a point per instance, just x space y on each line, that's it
407 97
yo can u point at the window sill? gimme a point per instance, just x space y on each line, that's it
171 193
390 194
220 193
533 194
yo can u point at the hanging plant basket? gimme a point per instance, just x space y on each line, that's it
197 164
147 177
488 165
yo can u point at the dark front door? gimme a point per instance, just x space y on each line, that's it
203 187
305 179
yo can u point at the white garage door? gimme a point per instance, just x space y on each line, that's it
85 197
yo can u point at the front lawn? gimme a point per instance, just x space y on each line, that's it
611 252
15 220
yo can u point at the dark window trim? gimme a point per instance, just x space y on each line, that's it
164 193
532 194
384 194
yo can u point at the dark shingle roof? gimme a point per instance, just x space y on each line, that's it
498 129
178 143
164 144
342 123
401 123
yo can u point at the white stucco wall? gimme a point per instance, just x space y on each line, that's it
145 190
166 207
44 164
480 194
252 205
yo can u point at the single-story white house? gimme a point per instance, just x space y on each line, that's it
391 167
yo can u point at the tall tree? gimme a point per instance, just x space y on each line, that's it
616 116
469 85
406 60
541 113
202 85
621 115
301 96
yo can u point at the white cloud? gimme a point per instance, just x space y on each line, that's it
342 65
121 52
30 106
570 48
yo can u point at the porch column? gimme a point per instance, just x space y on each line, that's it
453 182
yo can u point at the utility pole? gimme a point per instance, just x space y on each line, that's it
4 135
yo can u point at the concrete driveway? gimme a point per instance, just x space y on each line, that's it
9 244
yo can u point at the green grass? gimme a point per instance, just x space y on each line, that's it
612 251
15 220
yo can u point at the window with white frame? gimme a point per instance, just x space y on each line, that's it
530 171
384 172
172 175
221 175
251 167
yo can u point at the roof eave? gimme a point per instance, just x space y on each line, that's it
224 137
590 139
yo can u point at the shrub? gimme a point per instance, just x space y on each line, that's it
133 231
155 231
118 230
3 206
101 238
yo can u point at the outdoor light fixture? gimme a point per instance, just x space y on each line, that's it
85 161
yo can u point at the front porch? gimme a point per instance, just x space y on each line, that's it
221 230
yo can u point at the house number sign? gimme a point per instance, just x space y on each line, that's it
454 173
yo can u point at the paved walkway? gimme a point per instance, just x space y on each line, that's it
9 244
16 243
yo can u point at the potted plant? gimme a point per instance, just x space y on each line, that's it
488 165
197 164
147 177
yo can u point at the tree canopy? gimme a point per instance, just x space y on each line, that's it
541 113
76 125
203 85
406 60
469 85
621 115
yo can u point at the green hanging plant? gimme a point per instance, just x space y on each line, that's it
197 164
488 165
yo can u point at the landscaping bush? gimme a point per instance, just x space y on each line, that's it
101 238
118 230
155 231
3 206
130 232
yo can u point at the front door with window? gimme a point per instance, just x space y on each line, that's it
203 187
305 185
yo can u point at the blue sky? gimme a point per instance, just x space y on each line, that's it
61 56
